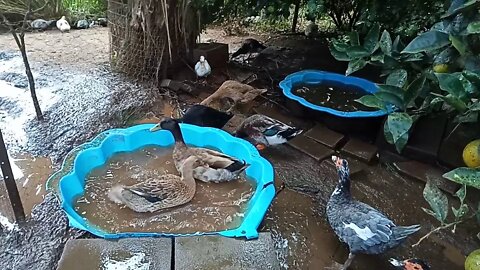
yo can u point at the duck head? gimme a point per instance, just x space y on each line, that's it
343 175
171 125
202 59
410 264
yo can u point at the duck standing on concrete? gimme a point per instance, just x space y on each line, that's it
63 25
249 46
363 228
410 264
202 68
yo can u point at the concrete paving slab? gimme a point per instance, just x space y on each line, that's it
360 150
424 172
222 253
325 136
125 254
354 165
310 147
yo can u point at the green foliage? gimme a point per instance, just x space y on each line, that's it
414 85
438 202
80 8
465 176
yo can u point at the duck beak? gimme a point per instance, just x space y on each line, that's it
396 262
337 161
260 146
155 128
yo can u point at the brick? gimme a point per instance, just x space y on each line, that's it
360 150
325 136
310 147
423 172
138 253
222 253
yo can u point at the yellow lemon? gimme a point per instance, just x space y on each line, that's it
471 154
473 260
440 68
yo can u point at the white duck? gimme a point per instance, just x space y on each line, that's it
202 68
63 25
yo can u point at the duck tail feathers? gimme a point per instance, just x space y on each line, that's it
402 232
290 133
237 167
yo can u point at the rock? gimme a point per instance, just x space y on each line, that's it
103 22
82 24
40 24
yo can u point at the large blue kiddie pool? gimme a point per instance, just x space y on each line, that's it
69 181
344 121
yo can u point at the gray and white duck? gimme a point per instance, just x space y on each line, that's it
211 165
363 228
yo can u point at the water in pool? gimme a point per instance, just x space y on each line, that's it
332 96
215 207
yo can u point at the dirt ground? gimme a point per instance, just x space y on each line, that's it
72 67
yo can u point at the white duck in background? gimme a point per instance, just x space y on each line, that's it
63 25
202 68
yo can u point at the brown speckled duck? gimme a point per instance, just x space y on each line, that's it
211 166
158 193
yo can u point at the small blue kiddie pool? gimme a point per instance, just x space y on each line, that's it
69 182
330 98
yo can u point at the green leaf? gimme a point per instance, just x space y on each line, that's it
371 39
455 102
387 133
397 78
392 99
340 56
452 11
354 39
399 125
458 44
340 46
357 52
441 26
413 90
398 45
386 43
355 65
461 193
478 218
469 117
474 77
460 212
378 57
428 41
371 101
413 57
465 176
473 28
450 82
430 212
437 200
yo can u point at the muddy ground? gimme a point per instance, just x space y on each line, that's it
81 97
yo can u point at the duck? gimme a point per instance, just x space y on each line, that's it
204 116
311 30
231 94
409 264
63 25
363 228
162 192
212 166
249 46
202 68
263 131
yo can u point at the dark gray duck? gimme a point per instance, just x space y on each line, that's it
363 228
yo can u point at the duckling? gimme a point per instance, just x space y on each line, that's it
212 166
230 94
363 228
202 68
205 116
63 25
263 131
158 193
410 264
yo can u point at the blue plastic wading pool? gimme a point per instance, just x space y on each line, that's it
319 77
69 181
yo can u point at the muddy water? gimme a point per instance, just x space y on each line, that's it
215 206
335 97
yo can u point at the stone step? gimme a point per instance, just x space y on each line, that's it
325 136
310 147
222 253
126 253
360 150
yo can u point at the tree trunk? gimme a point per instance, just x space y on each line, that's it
31 81
295 16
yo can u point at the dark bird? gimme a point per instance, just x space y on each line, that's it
410 264
363 228
249 46
204 116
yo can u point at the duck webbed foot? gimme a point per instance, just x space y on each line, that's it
337 266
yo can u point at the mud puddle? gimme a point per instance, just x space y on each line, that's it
31 174
215 207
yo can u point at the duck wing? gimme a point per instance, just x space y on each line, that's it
214 158
205 116
155 191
